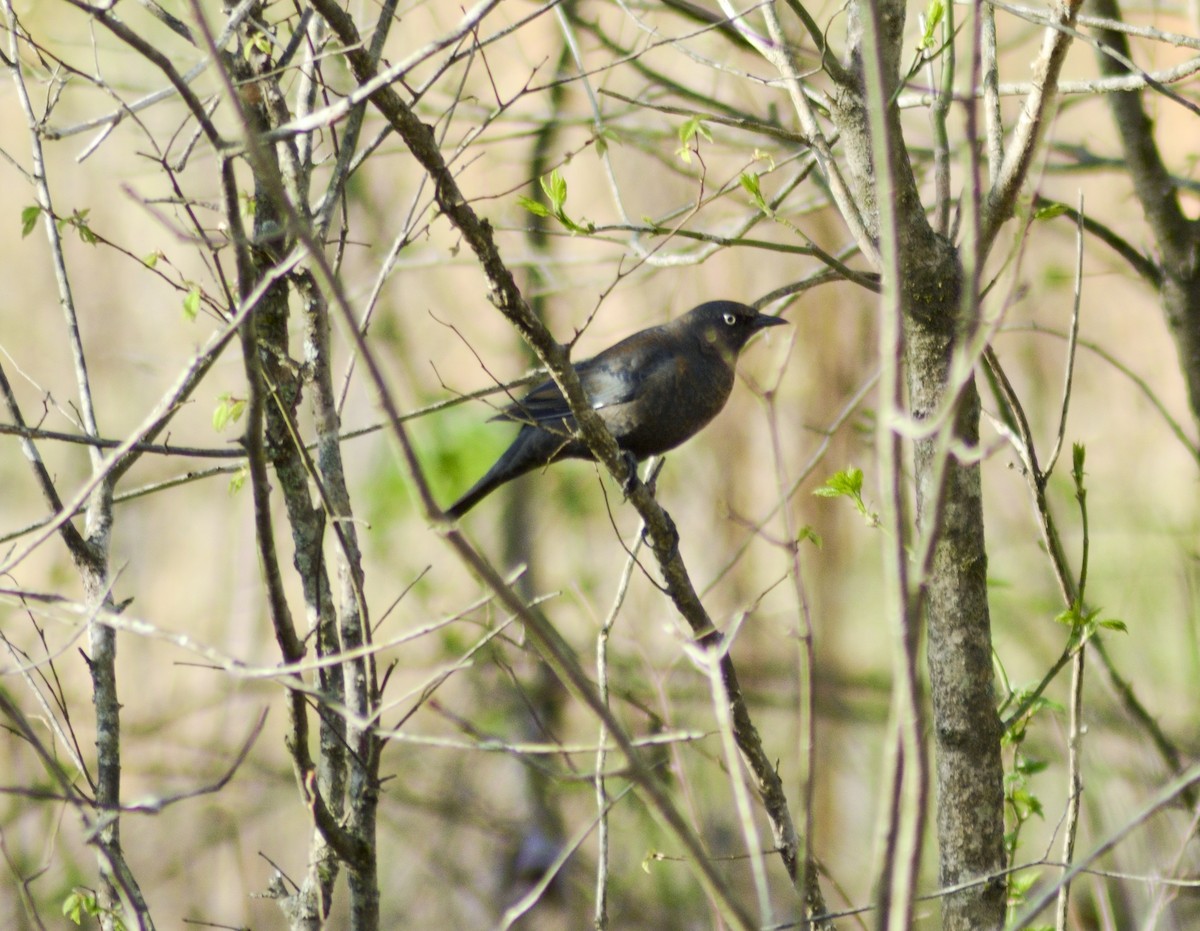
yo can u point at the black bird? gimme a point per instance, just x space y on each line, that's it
653 390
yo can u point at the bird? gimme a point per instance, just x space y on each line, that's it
653 390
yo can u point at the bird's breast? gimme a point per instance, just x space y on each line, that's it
672 404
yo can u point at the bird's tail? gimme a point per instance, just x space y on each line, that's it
518 459
480 490
533 448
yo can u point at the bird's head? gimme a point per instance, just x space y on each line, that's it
726 325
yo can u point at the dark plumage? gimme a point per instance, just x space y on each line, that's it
653 390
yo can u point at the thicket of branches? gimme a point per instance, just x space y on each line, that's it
272 266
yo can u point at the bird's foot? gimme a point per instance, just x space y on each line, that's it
631 472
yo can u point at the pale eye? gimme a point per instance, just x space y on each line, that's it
730 319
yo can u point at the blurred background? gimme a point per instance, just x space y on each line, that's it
459 822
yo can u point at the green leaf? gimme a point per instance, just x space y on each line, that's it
604 138
1078 454
73 907
258 43
807 533
1016 733
761 155
691 128
848 484
29 218
1026 803
555 188
536 207
229 409
750 183
845 484
80 222
1022 882
1075 617
1050 211
151 261
238 479
934 14
191 302
1114 624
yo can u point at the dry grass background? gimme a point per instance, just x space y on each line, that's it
451 815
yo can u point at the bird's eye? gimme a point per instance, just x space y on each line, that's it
730 319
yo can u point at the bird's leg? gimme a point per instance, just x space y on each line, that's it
631 472
651 478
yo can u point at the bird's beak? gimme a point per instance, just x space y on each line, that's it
762 321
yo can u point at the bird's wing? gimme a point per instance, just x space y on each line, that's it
615 376
542 404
